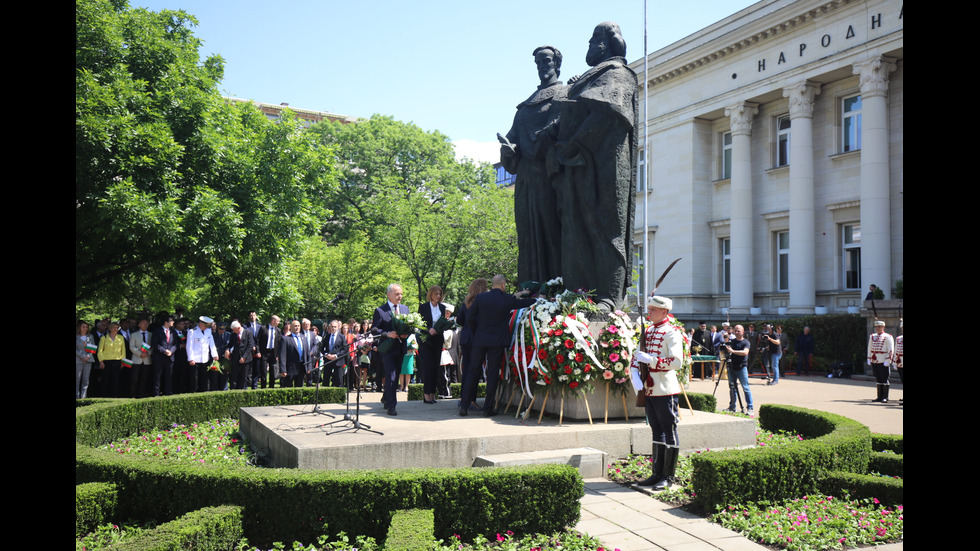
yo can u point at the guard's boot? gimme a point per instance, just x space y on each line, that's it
881 393
670 468
658 466
884 394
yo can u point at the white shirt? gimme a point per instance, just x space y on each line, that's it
199 343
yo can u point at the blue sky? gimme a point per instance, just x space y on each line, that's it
457 67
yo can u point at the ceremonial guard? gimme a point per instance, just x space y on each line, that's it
900 354
661 355
881 349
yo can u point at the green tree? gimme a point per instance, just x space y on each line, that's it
173 182
444 220
352 268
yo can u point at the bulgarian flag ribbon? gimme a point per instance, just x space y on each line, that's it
127 363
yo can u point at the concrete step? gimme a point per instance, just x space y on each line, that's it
590 462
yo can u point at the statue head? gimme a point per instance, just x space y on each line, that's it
548 60
606 42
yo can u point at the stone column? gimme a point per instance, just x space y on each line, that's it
741 115
802 228
876 258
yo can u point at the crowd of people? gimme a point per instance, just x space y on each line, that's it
171 354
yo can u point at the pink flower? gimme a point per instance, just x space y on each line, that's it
612 328
607 374
614 357
499 537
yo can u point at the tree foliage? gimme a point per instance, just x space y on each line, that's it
173 181
183 197
403 187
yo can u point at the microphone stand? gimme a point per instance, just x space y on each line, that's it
316 397
355 423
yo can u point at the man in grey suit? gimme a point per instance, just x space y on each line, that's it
139 345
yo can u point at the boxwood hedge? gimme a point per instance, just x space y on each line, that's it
836 444
300 504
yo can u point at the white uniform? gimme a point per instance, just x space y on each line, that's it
665 343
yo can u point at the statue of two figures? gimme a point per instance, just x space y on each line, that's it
573 149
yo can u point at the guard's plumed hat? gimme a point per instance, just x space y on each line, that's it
661 302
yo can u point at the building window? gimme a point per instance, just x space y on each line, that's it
640 269
726 155
782 141
782 261
641 172
504 178
851 124
851 255
726 265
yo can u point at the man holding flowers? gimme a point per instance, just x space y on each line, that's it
660 356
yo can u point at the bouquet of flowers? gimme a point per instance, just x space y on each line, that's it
569 349
617 341
443 324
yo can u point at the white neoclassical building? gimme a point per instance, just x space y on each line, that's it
775 159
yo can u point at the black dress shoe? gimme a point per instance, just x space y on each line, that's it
428 401
489 412
392 412
463 412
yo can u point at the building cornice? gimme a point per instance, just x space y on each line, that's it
718 55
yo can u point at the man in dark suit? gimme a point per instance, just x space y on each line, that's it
294 358
489 319
239 353
268 343
335 354
382 326
165 343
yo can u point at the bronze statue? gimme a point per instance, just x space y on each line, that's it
525 152
596 148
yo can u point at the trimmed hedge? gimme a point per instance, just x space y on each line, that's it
96 504
208 529
105 420
700 402
889 491
415 390
411 530
294 504
888 442
735 476
889 464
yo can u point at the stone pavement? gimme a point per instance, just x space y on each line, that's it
629 520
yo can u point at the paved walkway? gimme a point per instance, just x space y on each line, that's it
629 520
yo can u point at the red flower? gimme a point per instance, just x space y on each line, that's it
568 369
569 343
560 359
587 368
573 384
579 357
558 332
542 354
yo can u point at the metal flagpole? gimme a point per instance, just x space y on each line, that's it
646 162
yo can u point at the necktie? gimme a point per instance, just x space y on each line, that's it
299 345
